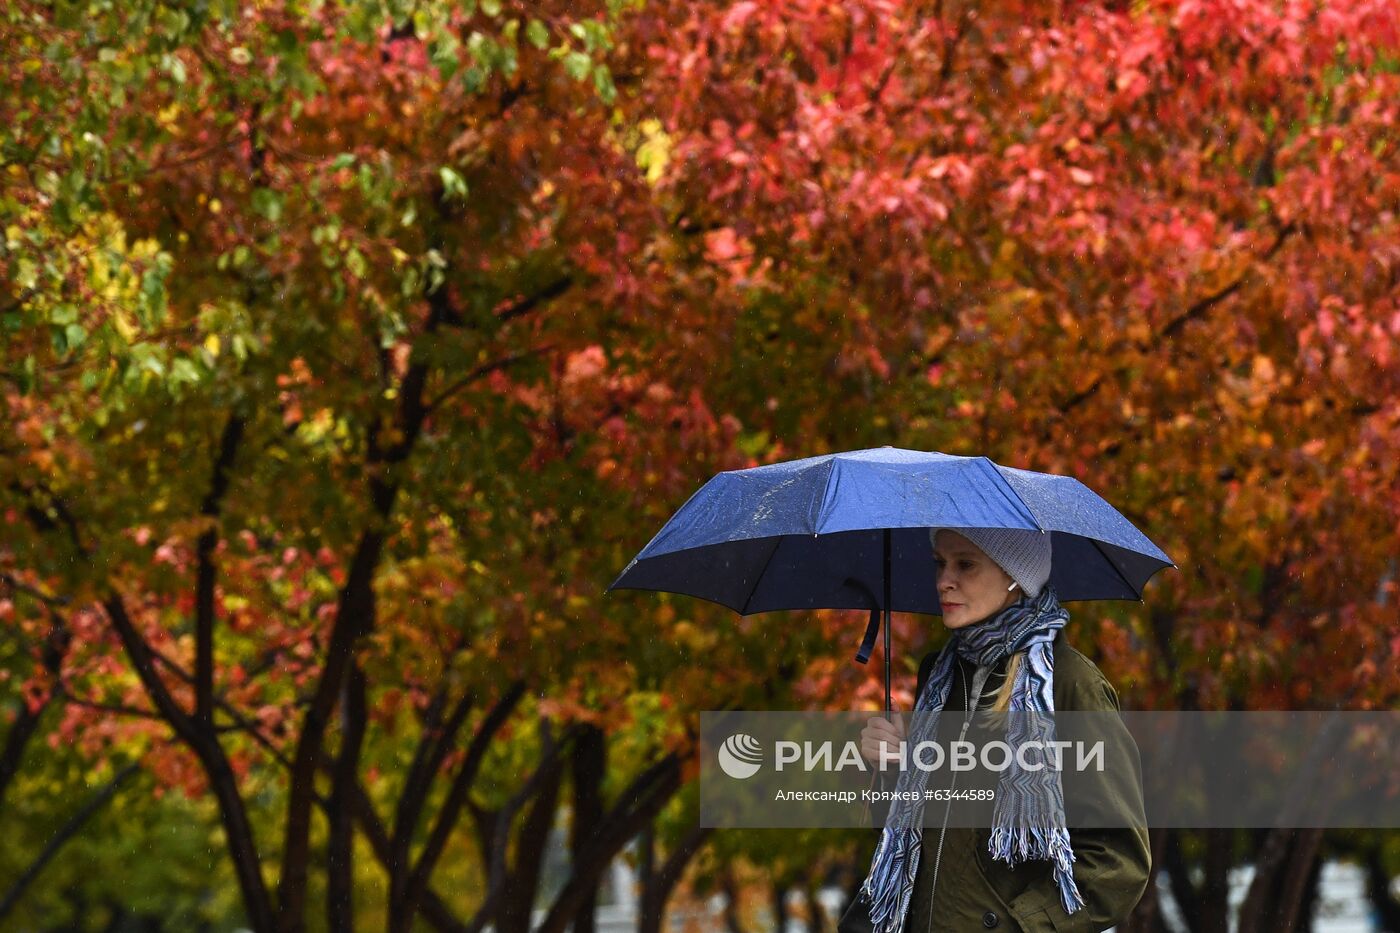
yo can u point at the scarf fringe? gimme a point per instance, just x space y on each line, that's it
890 882
1023 843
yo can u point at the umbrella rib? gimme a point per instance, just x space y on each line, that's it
758 579
1131 589
1008 485
826 486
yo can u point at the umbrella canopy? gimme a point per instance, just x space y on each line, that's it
850 531
809 534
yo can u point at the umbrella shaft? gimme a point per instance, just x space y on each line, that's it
889 587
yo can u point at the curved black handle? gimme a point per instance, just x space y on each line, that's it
872 628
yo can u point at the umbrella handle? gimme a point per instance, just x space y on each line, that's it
867 644
872 629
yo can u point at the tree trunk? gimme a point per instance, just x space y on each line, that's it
1179 882
1215 891
354 617
589 763
780 911
519 901
1300 872
1378 887
816 914
1147 915
636 806
660 884
1312 889
340 880
1261 907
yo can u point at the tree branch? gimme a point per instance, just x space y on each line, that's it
483 370
205 573
436 740
526 305
451 809
27 722
1197 309
637 806
95 802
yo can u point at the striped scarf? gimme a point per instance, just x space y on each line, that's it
1028 819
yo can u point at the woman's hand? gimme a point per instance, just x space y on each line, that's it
879 732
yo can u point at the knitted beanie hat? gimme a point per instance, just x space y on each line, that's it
1023 554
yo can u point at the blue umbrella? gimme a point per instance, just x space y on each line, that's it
832 532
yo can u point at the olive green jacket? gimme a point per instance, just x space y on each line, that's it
975 891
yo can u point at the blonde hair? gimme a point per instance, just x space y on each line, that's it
1003 701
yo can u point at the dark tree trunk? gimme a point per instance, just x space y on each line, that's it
780 911
816 914
1147 915
589 766
635 807
1299 876
1215 890
340 881
407 893
1311 890
519 900
1179 882
1264 905
354 617
658 885
1378 888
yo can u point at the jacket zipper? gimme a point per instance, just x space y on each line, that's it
979 678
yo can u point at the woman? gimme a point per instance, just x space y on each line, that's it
1007 650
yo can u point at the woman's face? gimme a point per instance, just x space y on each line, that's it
970 585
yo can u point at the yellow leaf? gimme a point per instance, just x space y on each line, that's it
123 324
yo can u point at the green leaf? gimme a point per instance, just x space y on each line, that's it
537 34
148 359
268 203
491 7
182 370
603 83
577 65
453 185
176 68
355 262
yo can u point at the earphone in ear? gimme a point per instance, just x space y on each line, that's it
1012 587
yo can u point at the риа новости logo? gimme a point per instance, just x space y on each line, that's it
740 756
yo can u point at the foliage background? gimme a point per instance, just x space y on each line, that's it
352 348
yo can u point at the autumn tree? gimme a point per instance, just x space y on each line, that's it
351 352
